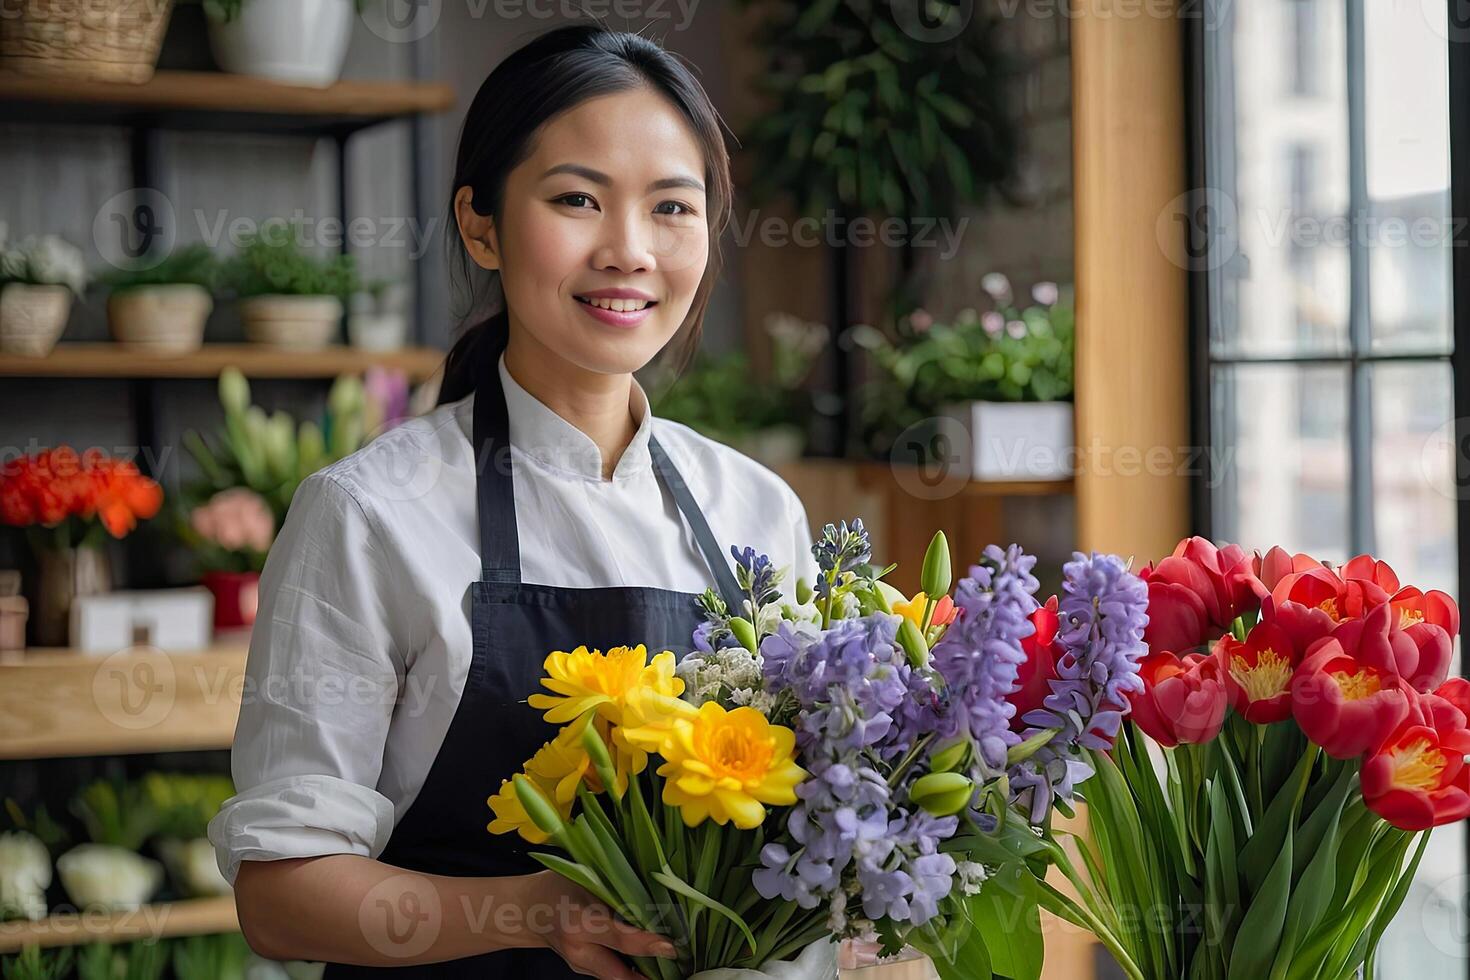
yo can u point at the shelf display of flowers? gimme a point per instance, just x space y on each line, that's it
1005 375
1294 741
841 761
250 471
69 503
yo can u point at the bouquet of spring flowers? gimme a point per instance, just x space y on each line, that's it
841 762
1294 741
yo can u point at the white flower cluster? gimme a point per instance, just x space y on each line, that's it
44 260
733 672
971 876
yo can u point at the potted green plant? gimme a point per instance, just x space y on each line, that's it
1004 378
288 298
720 396
39 276
164 306
303 42
109 873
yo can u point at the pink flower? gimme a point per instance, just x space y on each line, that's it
237 519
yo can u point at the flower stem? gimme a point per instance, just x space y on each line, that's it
1060 905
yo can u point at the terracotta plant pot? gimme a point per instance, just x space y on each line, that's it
66 573
293 322
32 318
165 318
236 596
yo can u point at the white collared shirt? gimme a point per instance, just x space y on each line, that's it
361 643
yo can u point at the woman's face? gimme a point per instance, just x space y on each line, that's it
603 238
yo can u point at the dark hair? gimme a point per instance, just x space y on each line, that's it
551 74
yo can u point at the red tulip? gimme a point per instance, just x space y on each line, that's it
1277 563
1417 778
1259 672
1315 587
1304 624
1413 606
1349 693
1197 592
1184 698
1035 675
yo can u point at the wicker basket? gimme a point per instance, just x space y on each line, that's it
103 40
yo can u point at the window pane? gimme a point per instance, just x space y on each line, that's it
1413 473
1281 435
1278 150
1407 168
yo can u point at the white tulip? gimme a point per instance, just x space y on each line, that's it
25 873
100 875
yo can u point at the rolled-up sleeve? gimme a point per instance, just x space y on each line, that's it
321 682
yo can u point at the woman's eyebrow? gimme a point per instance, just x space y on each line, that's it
598 177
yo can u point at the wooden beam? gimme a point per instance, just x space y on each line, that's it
1129 157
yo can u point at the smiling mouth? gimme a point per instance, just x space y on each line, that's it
618 305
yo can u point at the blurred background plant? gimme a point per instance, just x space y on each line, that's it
1007 353
271 454
195 265
270 262
723 397
41 260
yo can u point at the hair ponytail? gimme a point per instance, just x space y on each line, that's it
476 352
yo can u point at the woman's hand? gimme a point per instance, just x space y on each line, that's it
583 931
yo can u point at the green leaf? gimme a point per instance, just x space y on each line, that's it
1260 930
1275 825
1008 918
578 874
669 880
1313 890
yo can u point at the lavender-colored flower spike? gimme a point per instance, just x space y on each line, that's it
757 578
980 655
841 548
1103 612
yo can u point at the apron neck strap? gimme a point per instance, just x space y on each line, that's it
500 547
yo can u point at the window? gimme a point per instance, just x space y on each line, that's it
1325 320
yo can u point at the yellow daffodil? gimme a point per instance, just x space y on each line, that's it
913 610
584 680
557 768
725 764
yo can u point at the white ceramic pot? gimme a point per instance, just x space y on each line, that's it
295 322
817 962
302 42
32 318
377 331
164 318
1016 440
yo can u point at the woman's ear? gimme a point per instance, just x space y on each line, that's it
476 230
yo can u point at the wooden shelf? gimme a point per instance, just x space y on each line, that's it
105 360
57 703
218 101
194 917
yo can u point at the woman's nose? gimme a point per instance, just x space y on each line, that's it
629 244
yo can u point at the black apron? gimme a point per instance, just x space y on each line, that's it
515 625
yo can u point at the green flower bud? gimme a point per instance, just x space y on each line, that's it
952 757
537 807
890 595
803 592
935 577
1028 748
942 793
744 632
913 643
601 760
234 391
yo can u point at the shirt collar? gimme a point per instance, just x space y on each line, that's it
551 440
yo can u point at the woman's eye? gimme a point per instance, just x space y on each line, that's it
683 208
572 199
